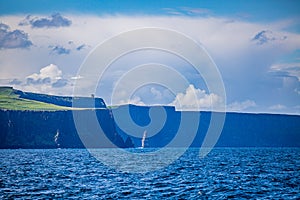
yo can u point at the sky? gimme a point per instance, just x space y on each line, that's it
255 46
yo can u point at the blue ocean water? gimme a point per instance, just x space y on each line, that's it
241 173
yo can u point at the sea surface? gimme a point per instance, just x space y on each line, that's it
239 173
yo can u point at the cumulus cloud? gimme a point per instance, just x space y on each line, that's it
241 106
46 75
59 50
13 39
55 20
267 36
196 99
49 79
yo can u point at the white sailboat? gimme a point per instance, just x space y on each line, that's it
143 139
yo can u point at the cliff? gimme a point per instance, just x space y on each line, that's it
52 129
29 120
240 129
13 99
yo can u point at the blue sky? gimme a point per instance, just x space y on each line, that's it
255 45
256 10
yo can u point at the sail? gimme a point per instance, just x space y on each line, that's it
144 138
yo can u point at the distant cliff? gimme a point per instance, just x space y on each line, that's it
30 120
51 129
12 99
81 102
240 129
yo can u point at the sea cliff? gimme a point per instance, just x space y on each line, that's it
30 120
51 129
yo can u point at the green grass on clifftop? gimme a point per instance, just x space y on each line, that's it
11 101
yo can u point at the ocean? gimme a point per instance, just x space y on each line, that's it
238 173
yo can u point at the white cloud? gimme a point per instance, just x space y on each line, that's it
156 93
286 69
49 80
241 106
76 77
51 71
134 100
277 107
196 99
226 42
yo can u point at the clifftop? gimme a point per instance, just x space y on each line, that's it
12 99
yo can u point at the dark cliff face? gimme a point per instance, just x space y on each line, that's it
240 130
140 115
260 130
24 129
44 129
